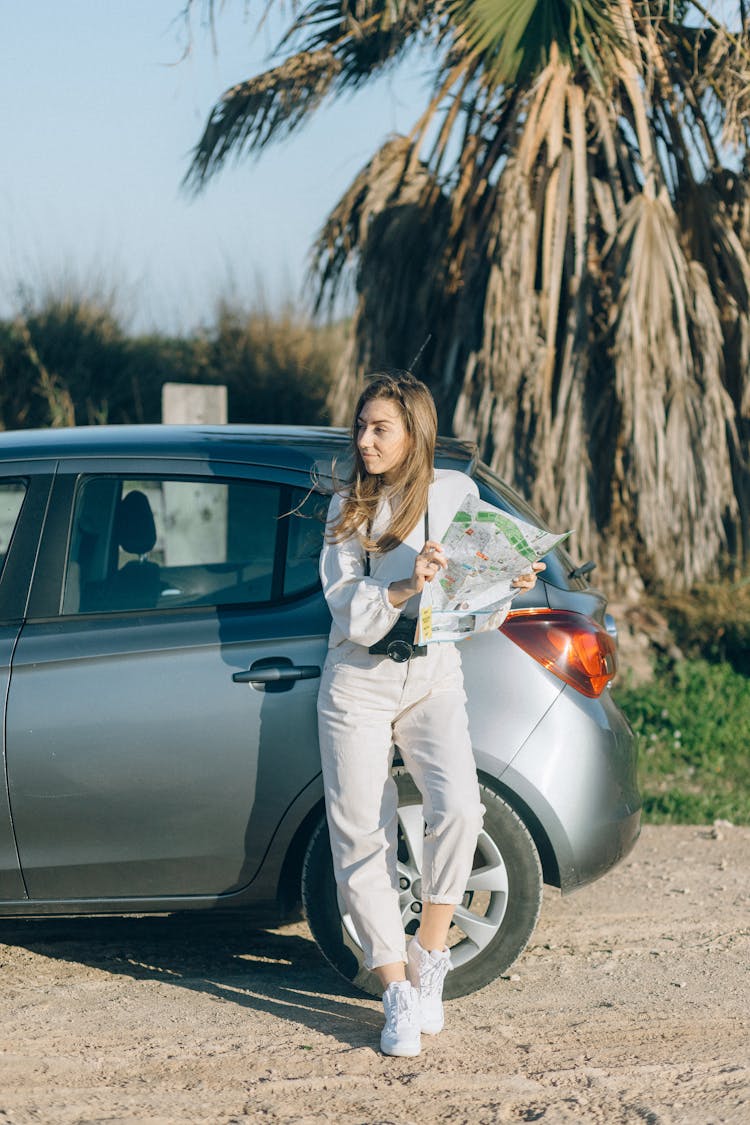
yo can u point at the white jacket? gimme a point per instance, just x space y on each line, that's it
359 605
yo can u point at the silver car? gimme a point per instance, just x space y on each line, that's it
162 631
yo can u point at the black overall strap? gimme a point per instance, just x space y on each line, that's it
426 537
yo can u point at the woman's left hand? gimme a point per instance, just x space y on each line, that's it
528 581
427 565
429 561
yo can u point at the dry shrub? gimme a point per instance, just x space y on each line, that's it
712 621
69 361
277 369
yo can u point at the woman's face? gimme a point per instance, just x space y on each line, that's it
382 438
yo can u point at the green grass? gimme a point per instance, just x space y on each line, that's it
693 727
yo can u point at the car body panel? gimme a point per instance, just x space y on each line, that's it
146 771
261 896
519 703
577 773
11 883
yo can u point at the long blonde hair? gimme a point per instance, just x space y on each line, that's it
365 490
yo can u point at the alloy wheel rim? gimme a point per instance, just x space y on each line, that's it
477 918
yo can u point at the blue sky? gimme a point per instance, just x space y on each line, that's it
99 117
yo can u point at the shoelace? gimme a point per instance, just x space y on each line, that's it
403 1005
432 973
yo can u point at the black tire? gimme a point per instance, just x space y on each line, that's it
505 916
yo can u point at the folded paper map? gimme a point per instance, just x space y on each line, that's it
486 549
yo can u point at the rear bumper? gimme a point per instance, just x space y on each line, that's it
576 773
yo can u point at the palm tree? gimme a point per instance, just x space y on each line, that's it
569 220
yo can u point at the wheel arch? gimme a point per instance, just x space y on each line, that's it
288 894
547 857
289 887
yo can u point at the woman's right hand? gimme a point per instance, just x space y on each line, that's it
429 562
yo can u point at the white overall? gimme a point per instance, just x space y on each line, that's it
367 704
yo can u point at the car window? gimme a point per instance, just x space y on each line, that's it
139 544
12 493
305 541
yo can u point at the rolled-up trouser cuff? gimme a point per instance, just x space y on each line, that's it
386 959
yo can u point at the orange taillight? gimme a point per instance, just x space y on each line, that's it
572 646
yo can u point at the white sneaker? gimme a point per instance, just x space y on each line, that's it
427 972
400 1036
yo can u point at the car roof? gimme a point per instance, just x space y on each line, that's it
288 446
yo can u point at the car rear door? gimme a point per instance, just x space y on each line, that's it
161 712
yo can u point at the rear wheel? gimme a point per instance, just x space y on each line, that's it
491 926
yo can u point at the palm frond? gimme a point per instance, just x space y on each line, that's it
336 44
675 410
379 185
516 39
392 223
727 75
262 109
715 241
364 34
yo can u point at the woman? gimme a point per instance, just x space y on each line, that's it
382 544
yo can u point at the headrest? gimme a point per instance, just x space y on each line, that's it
134 524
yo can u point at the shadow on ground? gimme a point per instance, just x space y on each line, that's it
276 971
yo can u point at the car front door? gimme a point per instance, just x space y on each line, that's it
161 712
24 492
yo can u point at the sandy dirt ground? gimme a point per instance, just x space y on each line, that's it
630 1005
